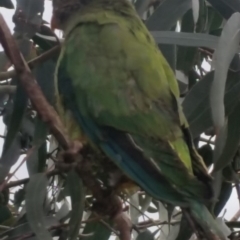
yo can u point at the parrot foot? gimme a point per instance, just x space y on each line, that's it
70 158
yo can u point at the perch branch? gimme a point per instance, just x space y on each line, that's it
112 203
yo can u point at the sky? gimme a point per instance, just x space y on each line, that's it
232 205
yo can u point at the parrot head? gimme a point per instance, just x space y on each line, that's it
62 10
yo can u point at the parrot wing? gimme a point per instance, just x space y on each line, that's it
123 95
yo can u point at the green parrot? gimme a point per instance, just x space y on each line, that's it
116 93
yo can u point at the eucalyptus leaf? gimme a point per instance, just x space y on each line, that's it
77 195
167 14
97 230
226 7
226 49
35 196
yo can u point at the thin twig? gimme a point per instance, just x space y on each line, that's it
26 180
59 226
33 63
28 154
151 223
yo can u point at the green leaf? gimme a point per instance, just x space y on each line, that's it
146 235
4 62
226 7
167 14
214 20
32 11
196 104
7 4
185 231
10 158
186 55
12 143
19 197
20 104
22 229
141 6
35 196
219 144
232 141
77 196
225 194
37 160
225 51
98 230
185 39
233 224
5 213
44 74
169 52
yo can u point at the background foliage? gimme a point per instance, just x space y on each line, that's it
192 34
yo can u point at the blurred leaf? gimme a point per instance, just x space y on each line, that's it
226 7
232 141
169 52
233 224
5 214
134 212
185 231
226 191
214 20
45 77
77 196
168 231
167 14
98 230
195 10
7 4
10 158
20 104
19 197
219 144
141 6
146 235
28 16
225 51
186 55
145 202
185 39
35 196
37 160
20 230
12 143
196 104
4 62
63 212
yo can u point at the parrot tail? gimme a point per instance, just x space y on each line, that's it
205 220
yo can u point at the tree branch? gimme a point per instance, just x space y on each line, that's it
112 203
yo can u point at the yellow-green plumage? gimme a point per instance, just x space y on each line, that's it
122 97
